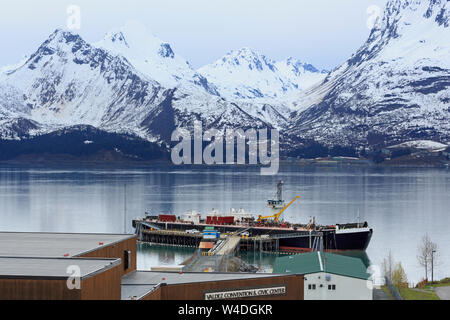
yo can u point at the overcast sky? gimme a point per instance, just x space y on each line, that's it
322 32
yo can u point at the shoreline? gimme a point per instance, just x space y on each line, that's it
164 163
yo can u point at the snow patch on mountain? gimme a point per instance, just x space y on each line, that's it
246 74
421 144
154 57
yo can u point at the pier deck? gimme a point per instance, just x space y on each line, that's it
232 243
170 237
230 246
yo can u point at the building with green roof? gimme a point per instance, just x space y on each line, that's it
329 276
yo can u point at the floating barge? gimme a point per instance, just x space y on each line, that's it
289 238
265 233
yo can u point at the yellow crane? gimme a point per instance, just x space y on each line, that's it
276 216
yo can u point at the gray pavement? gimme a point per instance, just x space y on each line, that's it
379 294
443 292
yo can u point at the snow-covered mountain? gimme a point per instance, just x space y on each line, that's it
68 82
393 89
303 75
154 57
8 69
248 75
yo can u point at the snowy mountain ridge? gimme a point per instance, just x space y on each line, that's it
246 74
154 57
394 89
69 82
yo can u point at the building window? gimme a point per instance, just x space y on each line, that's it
311 287
331 287
126 259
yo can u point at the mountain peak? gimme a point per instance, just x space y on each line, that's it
408 28
400 14
118 37
247 58
154 57
135 36
60 41
63 36
246 74
245 52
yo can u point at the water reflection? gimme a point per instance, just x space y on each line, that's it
400 204
150 255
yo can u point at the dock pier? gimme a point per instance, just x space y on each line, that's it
224 256
169 237
181 238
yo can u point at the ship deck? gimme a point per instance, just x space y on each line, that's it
236 225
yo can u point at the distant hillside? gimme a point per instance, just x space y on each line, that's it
82 143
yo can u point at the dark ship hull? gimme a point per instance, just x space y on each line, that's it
354 239
333 238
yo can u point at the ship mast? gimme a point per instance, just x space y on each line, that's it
359 218
280 190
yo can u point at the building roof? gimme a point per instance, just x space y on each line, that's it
136 292
140 283
315 262
52 268
18 244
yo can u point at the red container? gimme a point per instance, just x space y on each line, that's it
213 220
226 220
167 218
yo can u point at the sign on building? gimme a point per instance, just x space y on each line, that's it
248 293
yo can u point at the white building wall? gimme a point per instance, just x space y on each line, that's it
346 288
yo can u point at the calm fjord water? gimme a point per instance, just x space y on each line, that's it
400 204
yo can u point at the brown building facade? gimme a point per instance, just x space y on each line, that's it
283 288
37 266
97 279
212 286
124 250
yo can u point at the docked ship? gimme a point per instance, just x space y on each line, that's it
290 237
